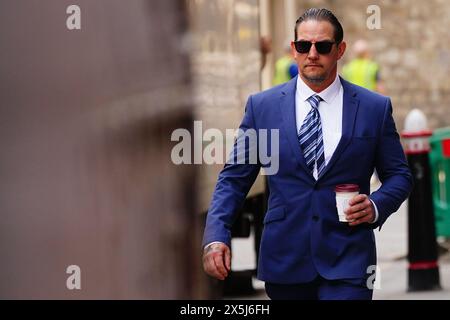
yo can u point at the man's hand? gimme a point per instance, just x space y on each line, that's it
217 260
361 210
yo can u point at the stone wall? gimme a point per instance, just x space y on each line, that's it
412 47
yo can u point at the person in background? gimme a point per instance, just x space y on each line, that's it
362 70
285 67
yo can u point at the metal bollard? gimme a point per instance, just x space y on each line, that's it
423 270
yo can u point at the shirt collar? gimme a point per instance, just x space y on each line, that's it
327 95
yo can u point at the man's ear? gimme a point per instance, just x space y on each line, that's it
341 49
293 50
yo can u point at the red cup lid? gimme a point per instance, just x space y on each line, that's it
346 188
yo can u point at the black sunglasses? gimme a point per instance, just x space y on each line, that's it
322 47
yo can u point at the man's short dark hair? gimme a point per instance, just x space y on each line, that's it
322 15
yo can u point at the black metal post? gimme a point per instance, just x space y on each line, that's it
423 270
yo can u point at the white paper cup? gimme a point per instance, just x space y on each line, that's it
344 192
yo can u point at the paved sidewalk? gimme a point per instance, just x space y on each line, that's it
392 247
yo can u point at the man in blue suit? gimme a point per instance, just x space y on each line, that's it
330 133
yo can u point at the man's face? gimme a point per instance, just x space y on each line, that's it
315 68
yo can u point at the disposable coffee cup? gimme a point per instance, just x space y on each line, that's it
344 192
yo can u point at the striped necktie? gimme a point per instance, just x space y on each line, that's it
310 137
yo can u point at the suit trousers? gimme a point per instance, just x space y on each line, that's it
321 289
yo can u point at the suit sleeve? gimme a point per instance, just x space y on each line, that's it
392 169
234 182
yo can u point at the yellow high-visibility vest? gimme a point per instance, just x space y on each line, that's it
282 70
362 72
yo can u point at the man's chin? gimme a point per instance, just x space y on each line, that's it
314 78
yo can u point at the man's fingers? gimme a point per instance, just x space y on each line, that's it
366 215
356 199
210 268
358 215
356 207
360 210
208 265
364 219
359 199
219 263
217 260
360 202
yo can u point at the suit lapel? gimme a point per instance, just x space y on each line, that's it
287 108
350 109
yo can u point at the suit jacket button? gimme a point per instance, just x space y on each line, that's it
315 218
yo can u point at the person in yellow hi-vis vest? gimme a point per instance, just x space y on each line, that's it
285 67
362 70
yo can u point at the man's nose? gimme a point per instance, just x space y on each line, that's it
313 54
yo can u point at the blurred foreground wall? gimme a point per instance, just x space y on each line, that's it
85 172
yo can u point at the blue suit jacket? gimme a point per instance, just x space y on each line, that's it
302 236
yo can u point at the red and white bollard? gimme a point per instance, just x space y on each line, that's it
423 270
